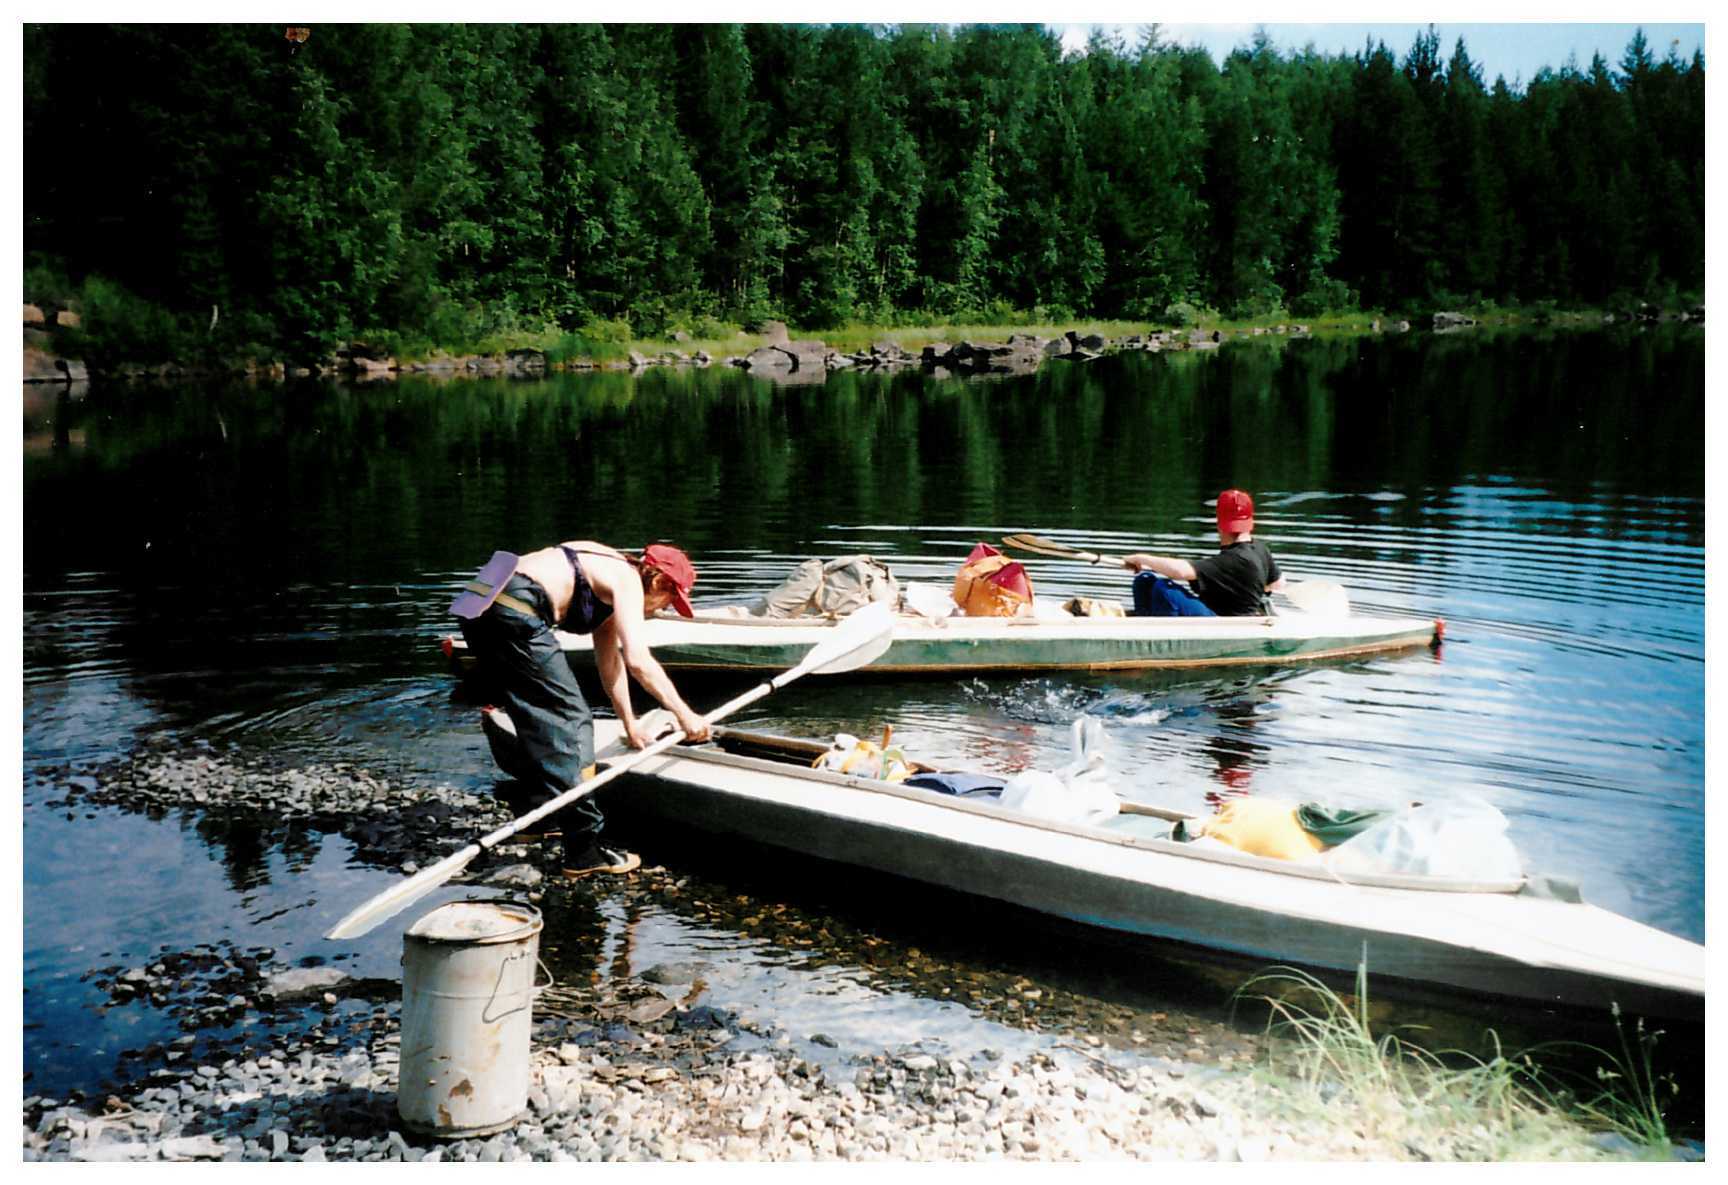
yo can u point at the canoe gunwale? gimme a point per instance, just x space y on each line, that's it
820 621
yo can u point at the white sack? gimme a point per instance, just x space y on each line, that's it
1463 839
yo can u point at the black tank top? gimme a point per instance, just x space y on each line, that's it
587 612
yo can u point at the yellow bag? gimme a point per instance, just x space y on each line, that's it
992 585
1263 827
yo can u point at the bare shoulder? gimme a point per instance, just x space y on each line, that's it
592 545
596 556
607 569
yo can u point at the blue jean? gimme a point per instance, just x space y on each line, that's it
1159 596
522 664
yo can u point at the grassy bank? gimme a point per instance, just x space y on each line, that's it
116 329
1329 1063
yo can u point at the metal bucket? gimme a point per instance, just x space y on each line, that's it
467 1014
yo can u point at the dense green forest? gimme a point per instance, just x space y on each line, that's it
225 187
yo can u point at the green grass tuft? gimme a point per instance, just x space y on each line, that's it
1624 1092
1450 1104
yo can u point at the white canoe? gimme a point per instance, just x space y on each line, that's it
1514 939
711 642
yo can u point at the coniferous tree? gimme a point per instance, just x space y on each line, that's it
1472 234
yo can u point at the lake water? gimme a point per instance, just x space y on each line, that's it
269 567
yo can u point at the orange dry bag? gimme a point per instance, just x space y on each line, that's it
992 585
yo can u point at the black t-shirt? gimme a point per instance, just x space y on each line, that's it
1233 582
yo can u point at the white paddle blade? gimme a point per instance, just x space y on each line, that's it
1321 598
393 901
860 639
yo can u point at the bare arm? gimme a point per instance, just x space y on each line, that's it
613 678
622 639
1168 566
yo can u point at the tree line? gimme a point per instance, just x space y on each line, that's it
448 182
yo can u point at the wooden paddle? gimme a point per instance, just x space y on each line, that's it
859 639
1319 597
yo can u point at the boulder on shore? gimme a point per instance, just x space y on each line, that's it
372 367
767 358
788 356
775 332
525 360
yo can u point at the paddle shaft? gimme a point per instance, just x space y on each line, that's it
417 886
621 767
1110 561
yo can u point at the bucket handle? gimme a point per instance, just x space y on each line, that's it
535 989
551 980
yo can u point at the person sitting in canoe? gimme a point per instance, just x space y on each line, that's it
508 616
1234 583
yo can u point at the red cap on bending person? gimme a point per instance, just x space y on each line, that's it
1235 512
663 557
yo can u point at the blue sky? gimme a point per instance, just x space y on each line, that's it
1514 50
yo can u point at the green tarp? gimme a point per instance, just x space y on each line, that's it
1333 827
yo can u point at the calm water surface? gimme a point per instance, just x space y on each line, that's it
270 568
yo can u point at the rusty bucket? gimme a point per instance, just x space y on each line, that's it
467 1014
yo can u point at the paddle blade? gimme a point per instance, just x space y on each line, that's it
399 897
1322 598
1039 544
1042 546
860 639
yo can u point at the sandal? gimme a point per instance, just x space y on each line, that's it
608 860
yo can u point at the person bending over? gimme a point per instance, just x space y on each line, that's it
581 587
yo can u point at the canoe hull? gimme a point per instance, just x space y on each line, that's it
1499 944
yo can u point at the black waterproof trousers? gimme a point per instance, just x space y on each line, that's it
521 663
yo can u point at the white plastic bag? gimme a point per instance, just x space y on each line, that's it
1079 792
927 600
1049 609
1464 839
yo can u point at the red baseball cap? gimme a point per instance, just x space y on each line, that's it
663 557
1235 512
